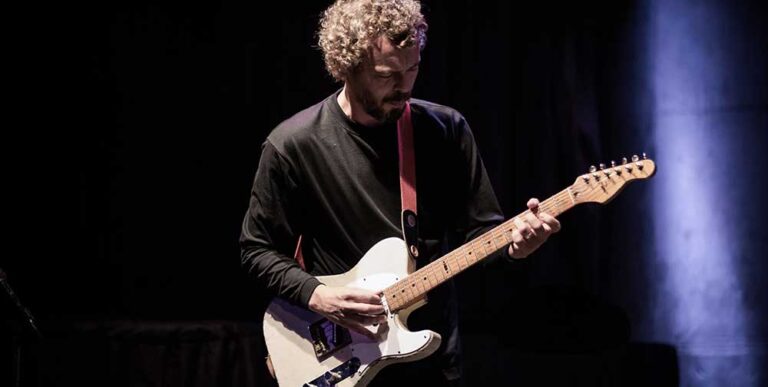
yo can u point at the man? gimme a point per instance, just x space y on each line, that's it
330 175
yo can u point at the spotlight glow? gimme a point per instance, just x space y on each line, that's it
700 309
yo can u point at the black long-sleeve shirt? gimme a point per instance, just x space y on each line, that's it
337 183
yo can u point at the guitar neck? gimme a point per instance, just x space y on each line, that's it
595 187
414 287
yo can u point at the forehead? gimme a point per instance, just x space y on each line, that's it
383 55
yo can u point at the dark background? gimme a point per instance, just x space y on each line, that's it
134 133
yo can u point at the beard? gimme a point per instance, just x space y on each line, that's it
377 110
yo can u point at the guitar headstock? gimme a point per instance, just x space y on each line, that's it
602 184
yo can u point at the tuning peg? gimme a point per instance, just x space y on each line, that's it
617 170
606 172
593 170
637 162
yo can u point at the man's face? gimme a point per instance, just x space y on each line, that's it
384 81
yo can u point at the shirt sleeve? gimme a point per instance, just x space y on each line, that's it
270 230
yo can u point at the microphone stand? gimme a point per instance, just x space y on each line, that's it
18 342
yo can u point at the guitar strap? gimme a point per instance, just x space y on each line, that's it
408 215
407 160
298 255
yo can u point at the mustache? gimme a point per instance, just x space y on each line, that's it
397 97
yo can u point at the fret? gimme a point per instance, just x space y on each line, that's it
484 246
431 278
424 280
415 287
555 210
508 234
470 257
439 272
570 195
421 285
502 240
464 259
399 293
394 301
487 246
458 263
427 284
467 257
455 266
490 244
477 248
466 250
469 254
426 272
406 292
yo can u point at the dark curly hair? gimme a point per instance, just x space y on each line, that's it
348 27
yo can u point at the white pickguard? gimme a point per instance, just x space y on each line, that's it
287 335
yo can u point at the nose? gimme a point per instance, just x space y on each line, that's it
400 83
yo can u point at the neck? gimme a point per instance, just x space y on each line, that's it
353 109
413 288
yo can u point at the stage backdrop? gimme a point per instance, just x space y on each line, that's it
137 128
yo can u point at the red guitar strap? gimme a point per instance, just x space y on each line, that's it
298 255
408 215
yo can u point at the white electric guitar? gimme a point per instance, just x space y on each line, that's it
308 350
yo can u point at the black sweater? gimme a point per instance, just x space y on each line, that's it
337 183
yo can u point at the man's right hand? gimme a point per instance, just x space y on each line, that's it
350 307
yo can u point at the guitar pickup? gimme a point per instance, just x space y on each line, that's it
328 337
336 375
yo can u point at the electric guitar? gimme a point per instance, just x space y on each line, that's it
308 350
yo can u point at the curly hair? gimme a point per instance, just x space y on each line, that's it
348 27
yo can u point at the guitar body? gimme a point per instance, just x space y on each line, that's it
305 349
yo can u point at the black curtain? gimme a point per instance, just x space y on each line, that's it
135 132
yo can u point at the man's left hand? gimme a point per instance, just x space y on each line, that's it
532 231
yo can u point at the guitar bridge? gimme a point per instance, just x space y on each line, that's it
328 337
